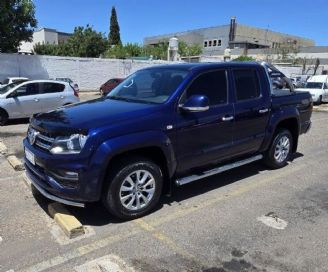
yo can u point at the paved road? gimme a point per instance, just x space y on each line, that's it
215 224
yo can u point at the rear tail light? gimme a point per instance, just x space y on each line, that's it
75 90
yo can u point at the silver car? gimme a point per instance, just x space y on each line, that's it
21 100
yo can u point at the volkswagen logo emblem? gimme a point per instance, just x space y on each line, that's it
31 135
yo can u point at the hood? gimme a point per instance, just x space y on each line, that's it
91 114
310 90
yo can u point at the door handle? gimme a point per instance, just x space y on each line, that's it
227 118
62 97
263 110
36 100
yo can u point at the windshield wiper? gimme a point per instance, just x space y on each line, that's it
120 98
130 99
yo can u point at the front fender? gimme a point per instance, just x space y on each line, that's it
118 145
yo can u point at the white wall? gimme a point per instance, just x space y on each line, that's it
89 73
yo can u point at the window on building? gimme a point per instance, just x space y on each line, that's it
209 43
205 43
219 42
215 42
246 84
213 85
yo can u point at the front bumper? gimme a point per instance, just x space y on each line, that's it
46 175
53 197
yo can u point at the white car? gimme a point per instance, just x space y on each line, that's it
21 100
10 80
318 87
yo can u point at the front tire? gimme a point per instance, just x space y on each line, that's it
3 117
280 149
134 188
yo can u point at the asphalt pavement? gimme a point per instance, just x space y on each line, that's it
247 219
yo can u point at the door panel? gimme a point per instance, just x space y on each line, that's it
205 137
52 95
26 103
252 111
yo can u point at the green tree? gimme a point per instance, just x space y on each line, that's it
244 58
114 37
185 50
85 42
17 23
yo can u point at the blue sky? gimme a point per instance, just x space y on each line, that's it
141 18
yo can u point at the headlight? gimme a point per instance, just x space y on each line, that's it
68 144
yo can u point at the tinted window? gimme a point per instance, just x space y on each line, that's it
51 87
28 89
211 84
246 84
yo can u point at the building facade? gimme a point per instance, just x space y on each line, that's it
44 36
214 40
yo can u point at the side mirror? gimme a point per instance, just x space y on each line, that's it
196 103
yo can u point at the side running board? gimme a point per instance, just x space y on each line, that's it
214 171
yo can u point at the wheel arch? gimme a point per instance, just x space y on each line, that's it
153 153
154 145
292 125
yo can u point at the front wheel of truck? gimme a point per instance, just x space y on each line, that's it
280 149
133 188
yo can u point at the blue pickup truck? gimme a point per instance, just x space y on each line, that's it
162 127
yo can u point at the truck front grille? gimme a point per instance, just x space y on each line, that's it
44 141
40 139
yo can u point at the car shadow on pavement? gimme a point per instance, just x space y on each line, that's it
94 214
17 121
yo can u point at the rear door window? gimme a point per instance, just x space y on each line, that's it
49 87
246 84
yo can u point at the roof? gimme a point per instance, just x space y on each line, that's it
203 65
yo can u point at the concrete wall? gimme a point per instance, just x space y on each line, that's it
89 73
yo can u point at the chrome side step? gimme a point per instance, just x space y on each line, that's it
185 180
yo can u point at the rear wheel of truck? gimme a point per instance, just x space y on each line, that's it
280 149
133 188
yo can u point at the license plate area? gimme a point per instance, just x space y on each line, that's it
29 156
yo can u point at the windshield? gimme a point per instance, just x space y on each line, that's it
9 87
314 85
154 85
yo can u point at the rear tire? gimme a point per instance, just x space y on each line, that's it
319 102
133 189
280 149
3 117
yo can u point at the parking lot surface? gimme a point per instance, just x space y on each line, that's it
247 219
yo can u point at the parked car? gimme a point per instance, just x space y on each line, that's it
297 83
165 125
10 80
21 100
71 82
109 85
318 87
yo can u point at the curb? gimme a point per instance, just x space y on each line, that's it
66 221
3 149
26 180
15 163
320 109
